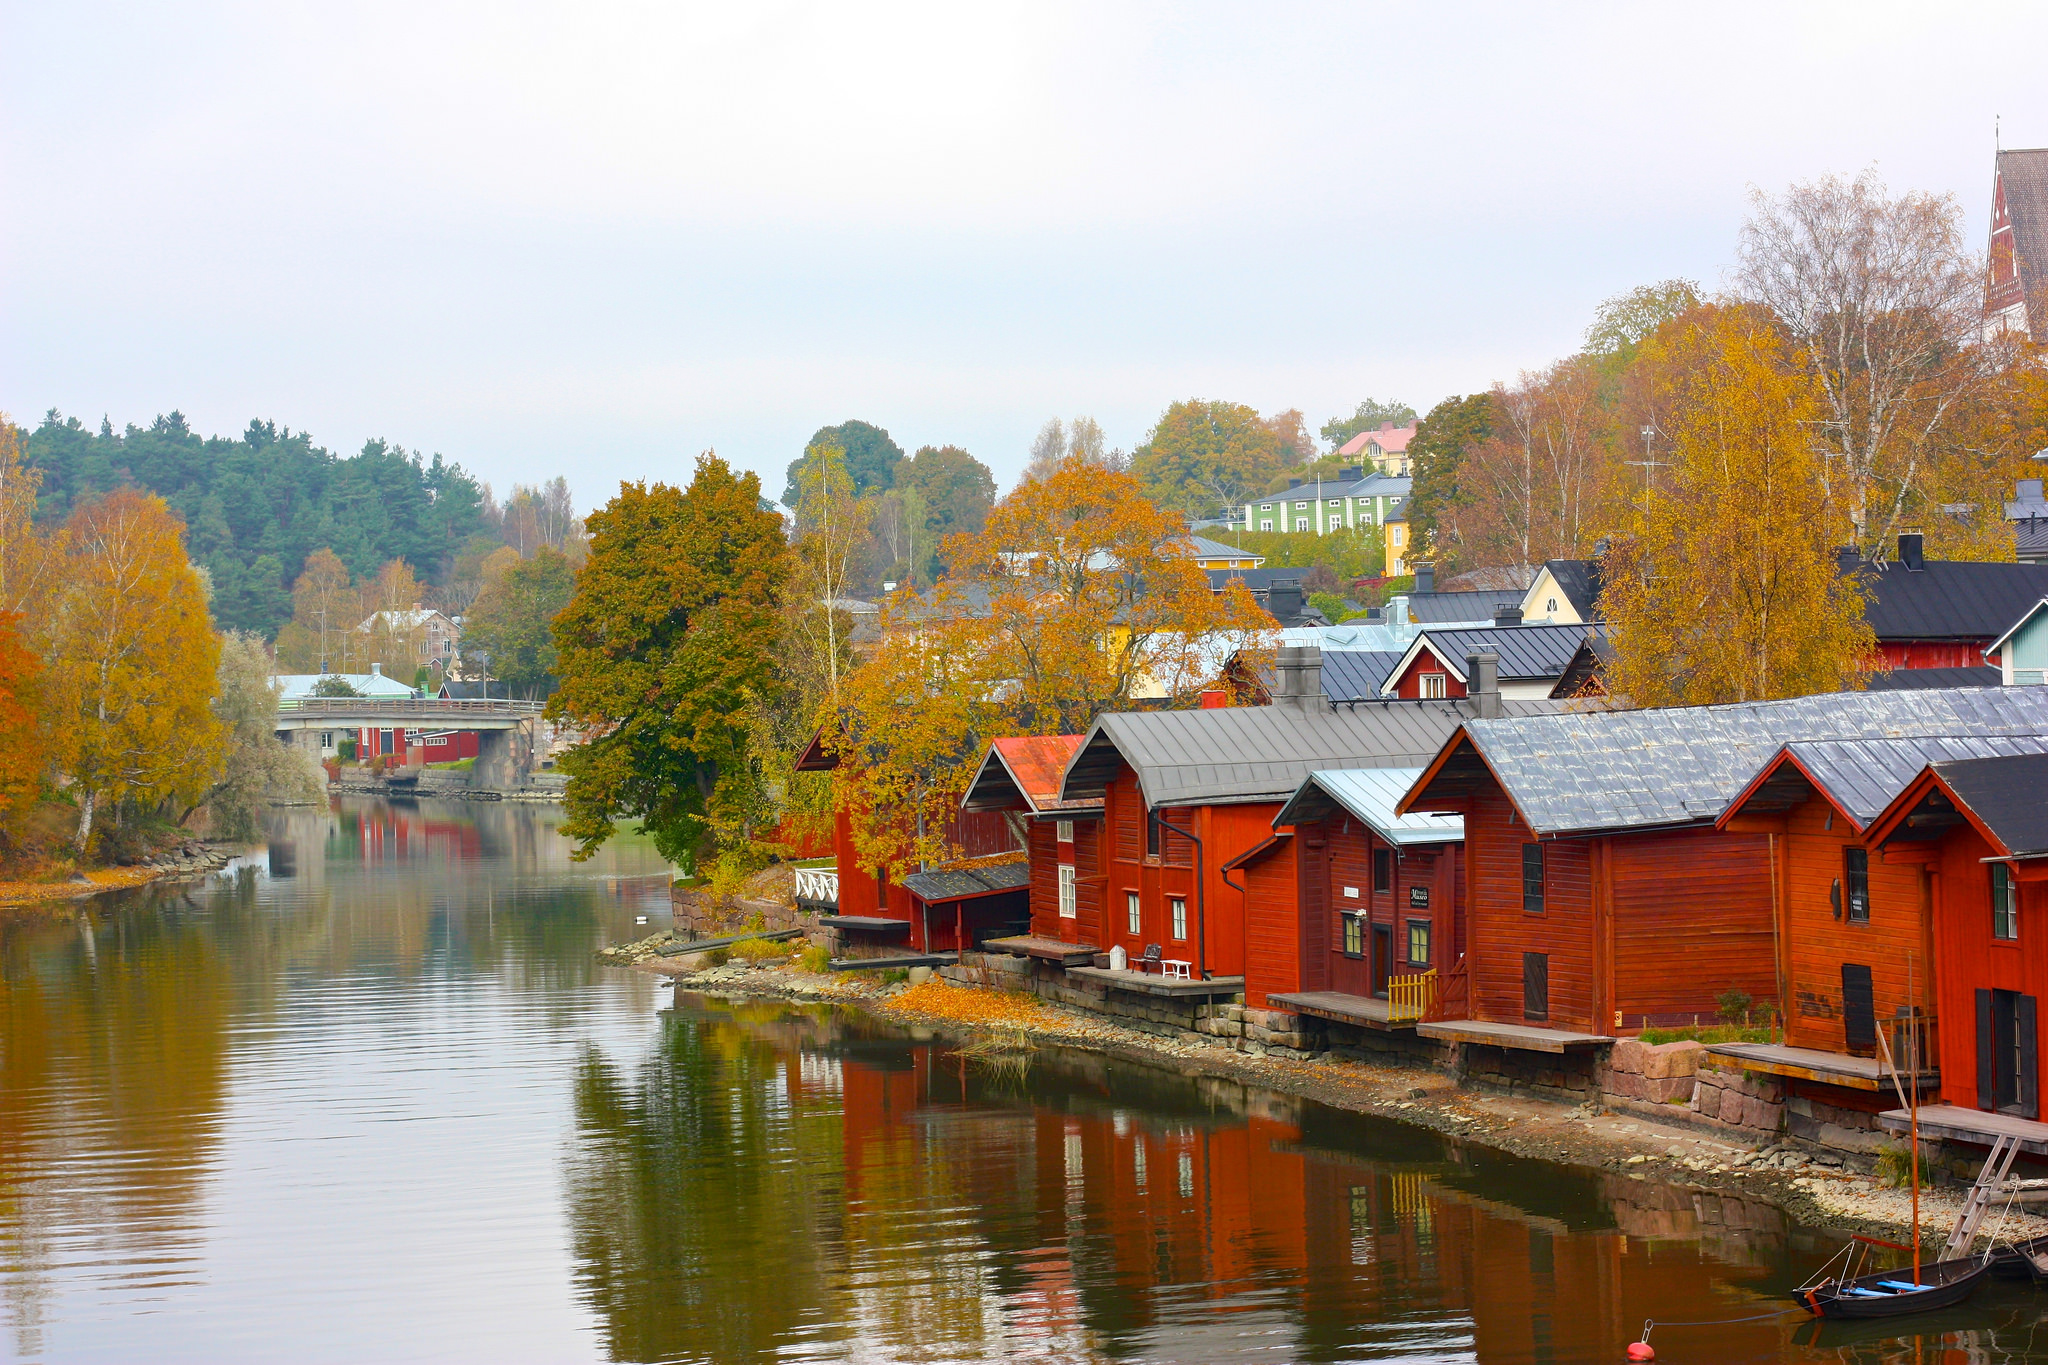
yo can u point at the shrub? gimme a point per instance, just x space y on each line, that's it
814 959
1895 1167
758 949
717 957
1734 1006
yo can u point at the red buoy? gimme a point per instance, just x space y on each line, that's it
1641 1350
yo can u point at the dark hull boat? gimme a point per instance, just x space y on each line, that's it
1894 1293
2021 1260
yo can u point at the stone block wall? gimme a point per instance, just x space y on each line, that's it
1650 1073
1744 1103
1567 1077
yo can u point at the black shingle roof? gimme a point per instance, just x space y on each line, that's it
2004 793
1922 679
961 883
1948 600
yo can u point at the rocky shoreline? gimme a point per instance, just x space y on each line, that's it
187 858
1816 1191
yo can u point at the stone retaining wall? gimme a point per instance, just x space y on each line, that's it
1566 1077
1743 1103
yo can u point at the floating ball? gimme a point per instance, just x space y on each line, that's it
1641 1350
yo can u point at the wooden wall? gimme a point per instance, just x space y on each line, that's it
1273 939
1216 919
1048 854
1500 931
1894 944
1691 915
1968 959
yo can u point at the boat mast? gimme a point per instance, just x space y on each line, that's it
1913 1109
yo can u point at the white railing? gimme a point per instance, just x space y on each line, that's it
408 706
818 884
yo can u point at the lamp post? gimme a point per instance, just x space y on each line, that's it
483 658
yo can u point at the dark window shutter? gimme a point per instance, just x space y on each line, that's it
1987 1055
1859 1008
2029 1059
1535 985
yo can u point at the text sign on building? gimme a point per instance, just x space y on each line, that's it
1418 897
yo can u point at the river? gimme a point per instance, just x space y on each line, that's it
367 1096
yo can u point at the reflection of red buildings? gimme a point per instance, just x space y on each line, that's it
393 834
1193 1232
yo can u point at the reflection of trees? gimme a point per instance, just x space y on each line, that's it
701 1198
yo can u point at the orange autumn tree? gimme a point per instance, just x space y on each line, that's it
133 660
21 757
1728 588
1079 596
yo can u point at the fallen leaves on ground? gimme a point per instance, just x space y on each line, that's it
99 879
936 999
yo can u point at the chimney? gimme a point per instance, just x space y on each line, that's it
2029 490
1508 614
1284 668
1308 679
377 669
1425 578
1283 599
1386 426
1214 700
1294 483
1482 683
1910 553
1357 473
324 669
1846 558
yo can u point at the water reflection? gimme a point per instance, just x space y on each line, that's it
772 1182
369 1096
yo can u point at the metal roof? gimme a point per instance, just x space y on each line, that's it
1593 770
1262 753
1526 653
1864 776
964 883
2004 793
1023 770
1370 794
1356 674
1579 581
1949 600
1462 608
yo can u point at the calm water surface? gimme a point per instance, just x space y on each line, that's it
370 1098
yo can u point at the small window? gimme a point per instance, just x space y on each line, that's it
1550 606
2005 903
1180 917
1418 942
1152 834
1265 525
1336 502
1354 935
1299 505
1532 879
1265 507
1067 909
1063 831
1856 883
1432 686
1301 523
1383 869
1135 924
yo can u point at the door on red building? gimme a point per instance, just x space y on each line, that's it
2008 1067
1382 956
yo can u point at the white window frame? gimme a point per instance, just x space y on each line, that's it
1179 906
1063 831
1431 686
1069 900
1301 523
1266 525
1299 506
1134 913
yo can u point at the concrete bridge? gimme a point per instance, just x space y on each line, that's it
506 730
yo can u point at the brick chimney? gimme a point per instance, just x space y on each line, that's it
1910 551
1508 614
1425 578
1283 599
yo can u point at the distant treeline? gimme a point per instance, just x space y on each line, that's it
257 506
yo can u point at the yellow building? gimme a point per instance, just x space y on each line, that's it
1397 546
1211 554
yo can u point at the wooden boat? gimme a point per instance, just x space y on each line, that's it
2021 1260
1894 1293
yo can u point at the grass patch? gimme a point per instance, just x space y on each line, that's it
814 959
460 765
1713 1033
758 950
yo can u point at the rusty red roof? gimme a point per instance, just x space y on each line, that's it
1027 766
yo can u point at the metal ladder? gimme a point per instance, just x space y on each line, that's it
1990 1182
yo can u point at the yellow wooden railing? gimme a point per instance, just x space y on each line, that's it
1409 997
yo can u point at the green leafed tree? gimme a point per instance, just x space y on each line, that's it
1206 455
956 491
1453 428
871 458
667 644
1370 414
255 769
513 620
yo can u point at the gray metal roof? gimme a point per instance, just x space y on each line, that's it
1864 776
1356 674
1262 753
1370 794
1682 765
2006 795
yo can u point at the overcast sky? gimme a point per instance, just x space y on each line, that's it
595 240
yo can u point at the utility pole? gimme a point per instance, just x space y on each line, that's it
1649 464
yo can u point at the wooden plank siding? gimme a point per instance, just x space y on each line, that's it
1691 917
1968 959
1216 919
1273 937
1087 854
1045 886
1501 931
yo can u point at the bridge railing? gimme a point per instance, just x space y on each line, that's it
347 708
